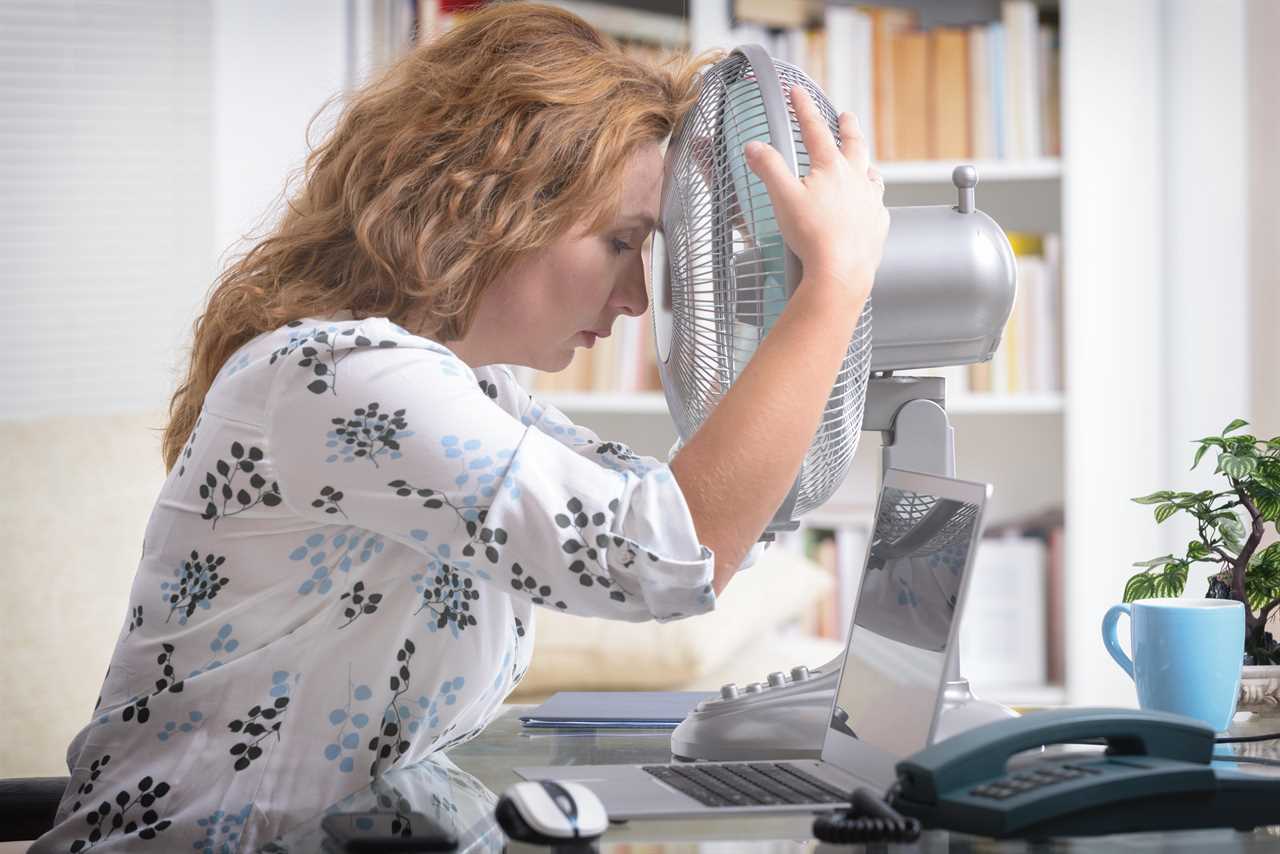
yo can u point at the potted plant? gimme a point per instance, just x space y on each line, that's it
1231 526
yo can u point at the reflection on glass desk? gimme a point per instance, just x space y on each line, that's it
460 790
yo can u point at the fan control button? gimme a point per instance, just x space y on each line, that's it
728 692
777 679
754 688
799 674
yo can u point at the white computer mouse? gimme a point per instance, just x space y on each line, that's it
547 812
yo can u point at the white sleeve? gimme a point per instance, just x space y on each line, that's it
400 438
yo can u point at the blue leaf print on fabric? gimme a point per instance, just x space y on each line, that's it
425 711
326 554
222 831
346 742
195 718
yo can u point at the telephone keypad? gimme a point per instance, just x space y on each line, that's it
1016 784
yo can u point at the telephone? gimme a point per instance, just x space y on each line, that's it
1155 775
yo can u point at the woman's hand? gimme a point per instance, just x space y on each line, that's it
834 218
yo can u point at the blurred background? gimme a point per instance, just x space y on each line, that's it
1128 148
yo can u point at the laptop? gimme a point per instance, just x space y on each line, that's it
890 692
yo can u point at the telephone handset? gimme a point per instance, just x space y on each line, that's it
1154 775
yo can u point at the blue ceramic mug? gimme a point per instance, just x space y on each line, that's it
1187 655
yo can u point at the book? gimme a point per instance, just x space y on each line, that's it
910 50
949 110
885 23
1002 632
982 119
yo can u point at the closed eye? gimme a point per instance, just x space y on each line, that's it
620 246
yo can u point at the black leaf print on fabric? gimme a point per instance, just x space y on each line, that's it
448 598
434 499
389 739
618 450
198 582
321 355
361 603
254 727
137 708
519 627
186 451
329 498
369 433
135 619
395 803
490 390
526 583
242 460
114 815
590 567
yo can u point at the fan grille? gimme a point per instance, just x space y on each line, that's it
727 276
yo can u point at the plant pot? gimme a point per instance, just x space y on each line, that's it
1260 689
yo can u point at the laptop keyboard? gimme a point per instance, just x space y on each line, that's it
737 784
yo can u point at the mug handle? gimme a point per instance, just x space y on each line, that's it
1109 639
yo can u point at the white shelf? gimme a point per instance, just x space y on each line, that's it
939 171
654 403
635 402
1006 404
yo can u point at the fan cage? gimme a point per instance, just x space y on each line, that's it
727 281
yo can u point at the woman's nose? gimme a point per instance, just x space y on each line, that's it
632 296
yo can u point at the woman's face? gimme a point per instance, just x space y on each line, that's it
569 293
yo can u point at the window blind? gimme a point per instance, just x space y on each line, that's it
105 200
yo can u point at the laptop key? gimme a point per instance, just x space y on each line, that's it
832 791
720 789
728 775
683 784
807 792
786 794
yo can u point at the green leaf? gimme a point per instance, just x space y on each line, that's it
1164 511
1199 453
1154 498
1236 466
1166 583
1262 579
1232 530
1140 586
1234 425
1155 561
1196 550
1269 507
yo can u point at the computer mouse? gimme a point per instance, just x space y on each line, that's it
548 812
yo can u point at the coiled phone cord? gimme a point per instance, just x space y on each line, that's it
868 819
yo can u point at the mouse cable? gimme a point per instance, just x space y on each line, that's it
1240 739
868 819
1254 760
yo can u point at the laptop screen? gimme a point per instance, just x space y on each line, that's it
891 684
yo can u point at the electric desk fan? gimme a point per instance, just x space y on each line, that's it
721 276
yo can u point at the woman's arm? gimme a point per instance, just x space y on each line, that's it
739 466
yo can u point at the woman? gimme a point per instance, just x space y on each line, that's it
362 505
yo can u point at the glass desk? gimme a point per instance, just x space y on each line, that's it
460 789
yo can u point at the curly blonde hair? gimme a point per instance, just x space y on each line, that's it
477 147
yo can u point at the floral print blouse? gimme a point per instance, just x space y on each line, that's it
339 577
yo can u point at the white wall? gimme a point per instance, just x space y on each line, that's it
1205 291
1263 28
274 65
